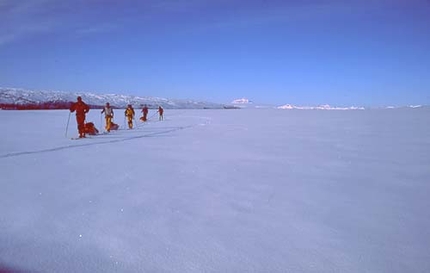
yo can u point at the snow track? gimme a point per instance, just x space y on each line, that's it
142 130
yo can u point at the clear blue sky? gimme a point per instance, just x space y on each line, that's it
304 52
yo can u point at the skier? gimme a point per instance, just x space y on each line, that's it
81 109
129 113
145 113
160 112
108 116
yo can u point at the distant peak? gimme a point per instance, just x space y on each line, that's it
241 101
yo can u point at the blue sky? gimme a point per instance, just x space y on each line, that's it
307 52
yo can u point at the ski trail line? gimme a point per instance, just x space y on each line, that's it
97 143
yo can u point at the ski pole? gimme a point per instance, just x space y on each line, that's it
68 120
152 116
101 123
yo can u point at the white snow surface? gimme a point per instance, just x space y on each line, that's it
217 191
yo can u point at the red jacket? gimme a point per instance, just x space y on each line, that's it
80 107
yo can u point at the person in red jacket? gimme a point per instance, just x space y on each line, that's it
145 113
81 109
160 113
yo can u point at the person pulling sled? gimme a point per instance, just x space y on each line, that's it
144 111
129 113
81 109
108 116
160 113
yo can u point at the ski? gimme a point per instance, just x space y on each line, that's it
76 138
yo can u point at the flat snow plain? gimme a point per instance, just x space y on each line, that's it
250 190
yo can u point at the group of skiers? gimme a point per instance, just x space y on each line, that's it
82 109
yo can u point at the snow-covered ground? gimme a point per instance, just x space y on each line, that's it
218 191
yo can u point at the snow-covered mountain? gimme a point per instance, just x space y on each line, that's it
241 101
246 103
16 96
407 106
320 107
21 98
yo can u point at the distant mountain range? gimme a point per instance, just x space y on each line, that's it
246 103
320 107
328 107
15 98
